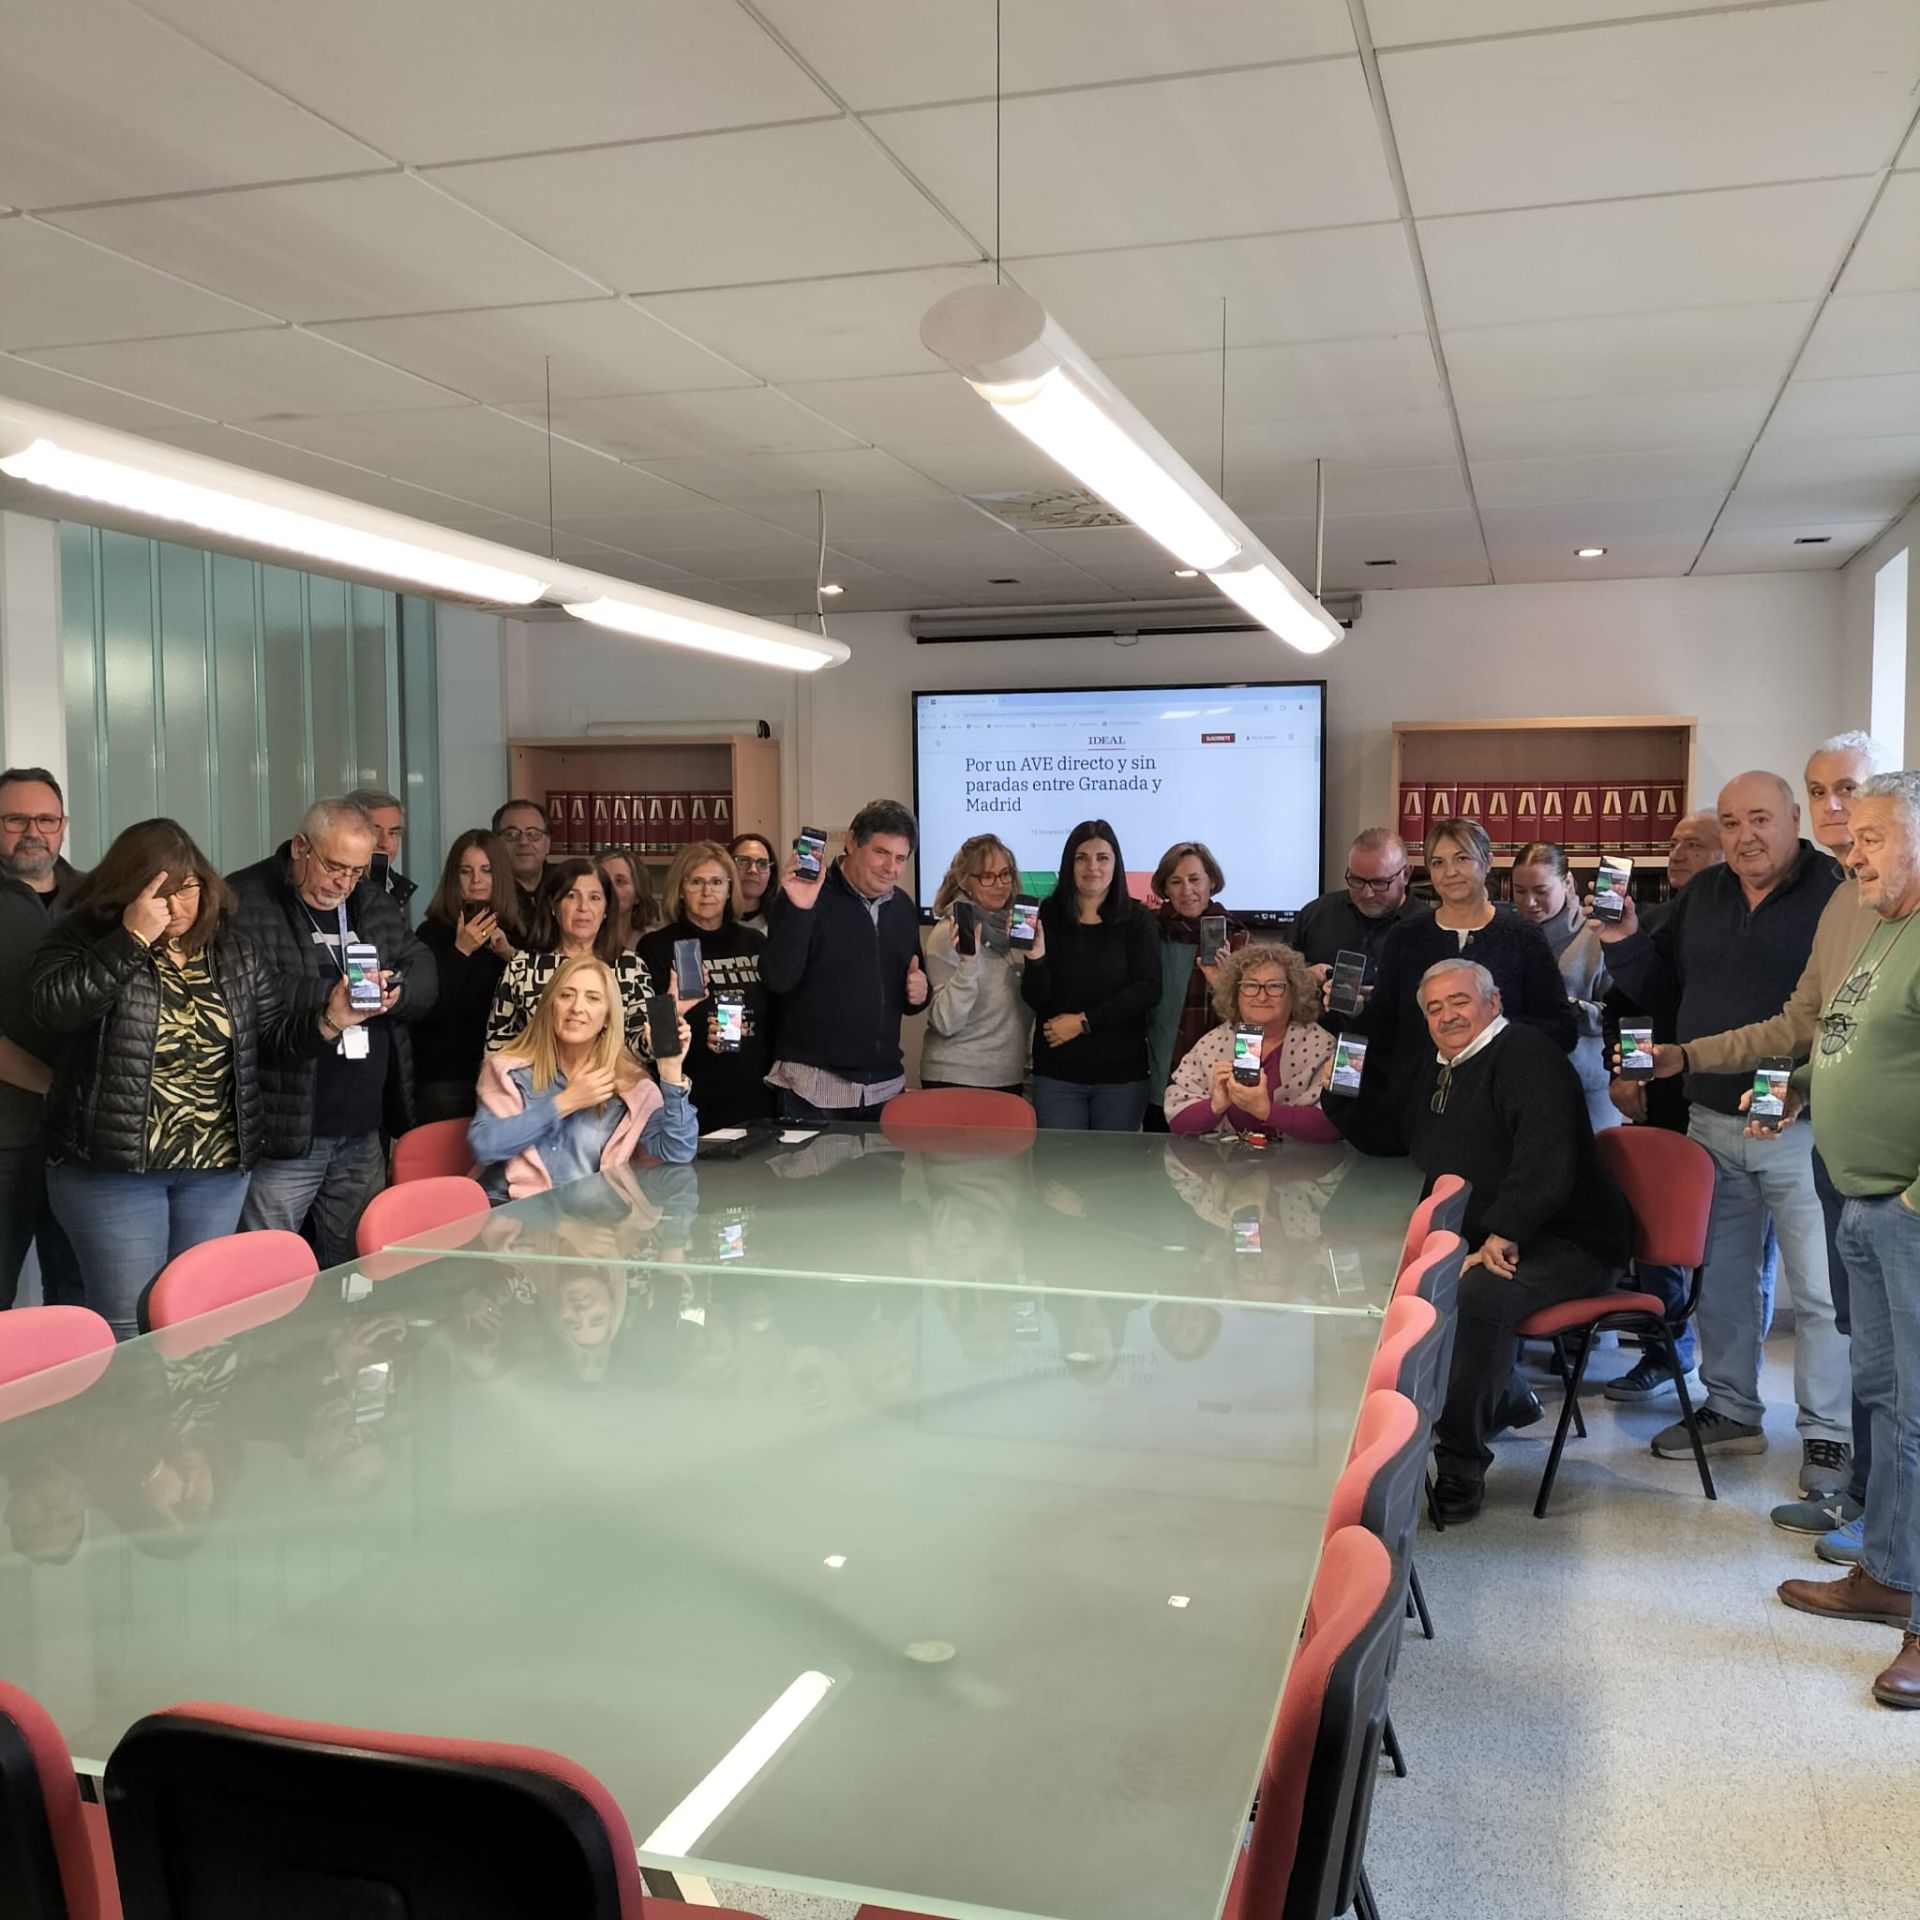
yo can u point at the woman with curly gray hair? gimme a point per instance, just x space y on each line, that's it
1268 987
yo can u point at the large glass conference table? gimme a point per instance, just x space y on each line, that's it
925 1524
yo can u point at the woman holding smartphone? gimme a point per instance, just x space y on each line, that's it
636 907
1092 983
1543 893
1196 933
565 1098
725 1003
1269 990
472 929
979 1029
753 855
574 918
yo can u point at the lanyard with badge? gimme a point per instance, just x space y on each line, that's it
353 1043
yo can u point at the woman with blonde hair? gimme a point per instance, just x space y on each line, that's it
565 1098
979 1029
1266 986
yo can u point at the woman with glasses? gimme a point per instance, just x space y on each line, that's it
472 929
753 855
1543 893
979 1029
1185 883
629 886
575 917
728 1075
1268 987
165 1014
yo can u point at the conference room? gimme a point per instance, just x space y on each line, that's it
951 959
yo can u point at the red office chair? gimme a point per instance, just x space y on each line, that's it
32 1339
944 1117
402 1213
231 1276
1668 1181
1409 1341
221 1813
56 1861
430 1152
1444 1210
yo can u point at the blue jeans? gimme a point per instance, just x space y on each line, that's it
1880 1239
1090 1106
28 1220
1830 1206
126 1226
322 1194
1754 1180
803 1113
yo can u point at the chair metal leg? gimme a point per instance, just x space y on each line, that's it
1419 1600
1364 1904
1433 1506
1390 1746
1669 1352
1568 1413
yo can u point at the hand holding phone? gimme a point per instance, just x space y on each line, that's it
1636 1053
1349 976
1022 921
362 961
965 938
689 972
809 853
1349 1062
663 1027
1246 1056
1767 1105
1213 938
729 1023
1609 898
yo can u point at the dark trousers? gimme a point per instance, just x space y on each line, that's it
27 1220
804 1113
1837 1285
969 1087
1548 1272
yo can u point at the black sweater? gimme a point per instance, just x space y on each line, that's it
449 1042
1110 971
728 1088
1515 1127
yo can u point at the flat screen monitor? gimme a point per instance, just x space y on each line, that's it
1241 767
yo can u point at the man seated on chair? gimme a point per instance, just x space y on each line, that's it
1501 1106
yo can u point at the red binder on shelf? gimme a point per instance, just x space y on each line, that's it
1413 815
1612 837
720 816
602 816
1442 797
1473 803
1553 814
1639 827
1666 814
697 816
1526 813
579 824
557 821
1499 820
622 821
676 822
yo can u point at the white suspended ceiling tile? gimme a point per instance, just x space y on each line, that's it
1398 22
882 517
1747 246
666 425
903 408
748 479
1121 557
275 371
1284 489
1625 353
1617 423
1394 375
1007 465
1641 537
953 564
723 209
891 53
59 291
41 386
1727 99
1420 438
1247 152
1337 284
1887 260
860 593
1772 549
98 100
1805 503
686 528
1777 458
855 326
1669 475
334 249
426 82
1863 333
775 556
506 355
1842 409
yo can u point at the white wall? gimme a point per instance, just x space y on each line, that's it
1755 656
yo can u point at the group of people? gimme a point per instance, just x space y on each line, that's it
182 1054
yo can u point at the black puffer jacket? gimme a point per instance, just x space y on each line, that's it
93 985
273 919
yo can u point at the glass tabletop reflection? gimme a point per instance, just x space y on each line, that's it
1199 1219
944 1596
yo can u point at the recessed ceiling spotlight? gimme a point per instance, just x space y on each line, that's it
1177 1599
1186 573
835 1560
1588 553
1812 539
1383 563
1002 580
832 587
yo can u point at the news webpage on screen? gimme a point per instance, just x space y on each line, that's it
1238 767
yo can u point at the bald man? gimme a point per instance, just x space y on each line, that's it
1731 953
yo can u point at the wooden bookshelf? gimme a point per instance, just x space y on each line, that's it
744 768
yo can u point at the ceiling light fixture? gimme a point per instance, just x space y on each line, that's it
1812 539
1002 342
666 617
829 586
1383 563
1186 573
1588 553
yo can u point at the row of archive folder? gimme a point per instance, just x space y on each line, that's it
1579 816
650 823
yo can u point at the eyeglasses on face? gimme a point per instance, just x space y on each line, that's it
519 836
708 883
999 877
42 823
336 870
1264 989
752 863
191 884
1380 885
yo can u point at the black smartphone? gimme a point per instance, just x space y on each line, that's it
1246 1230
1022 919
1349 976
663 1027
689 982
1349 1062
729 1021
1246 1056
1770 1079
1213 937
377 870
809 854
1610 886
473 909
964 940
1636 1053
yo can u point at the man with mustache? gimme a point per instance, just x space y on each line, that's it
34 884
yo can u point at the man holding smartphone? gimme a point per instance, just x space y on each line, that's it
389 819
1356 917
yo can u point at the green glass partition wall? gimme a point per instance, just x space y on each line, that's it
228 694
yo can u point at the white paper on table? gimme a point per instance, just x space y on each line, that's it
795 1135
726 1133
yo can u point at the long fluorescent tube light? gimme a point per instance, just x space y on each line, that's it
678 1834
686 623
1002 342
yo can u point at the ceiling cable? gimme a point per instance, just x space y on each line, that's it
820 573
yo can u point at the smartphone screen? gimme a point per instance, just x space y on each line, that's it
1610 886
1770 1079
1246 1056
729 1022
1246 1230
688 982
810 849
377 869
1349 1062
663 1027
963 927
1349 976
1636 1053
733 1239
363 964
1021 922
1213 937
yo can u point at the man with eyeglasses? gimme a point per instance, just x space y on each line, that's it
302 907
1356 917
1499 1104
522 827
35 883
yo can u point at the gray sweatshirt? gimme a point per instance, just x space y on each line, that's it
979 1030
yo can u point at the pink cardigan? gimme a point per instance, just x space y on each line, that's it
526 1171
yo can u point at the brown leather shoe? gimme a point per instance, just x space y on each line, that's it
1859 1596
1899 1686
